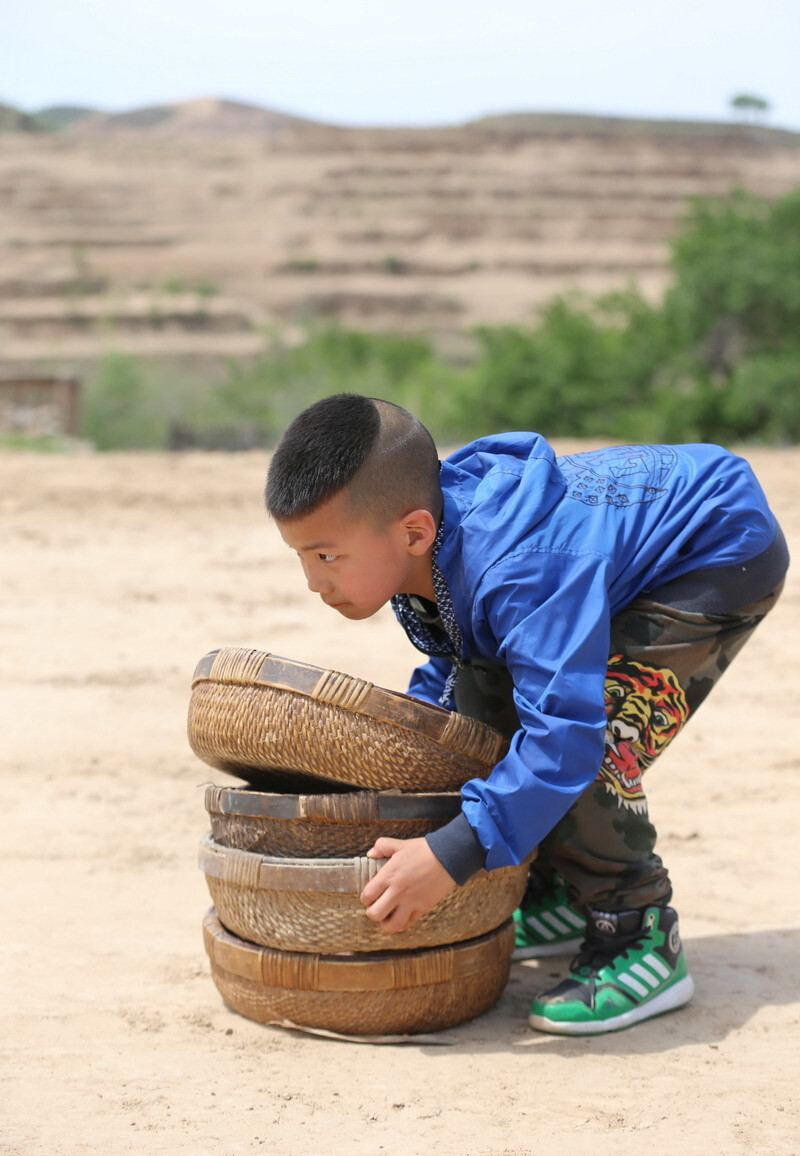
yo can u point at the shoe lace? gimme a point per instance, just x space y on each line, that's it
595 954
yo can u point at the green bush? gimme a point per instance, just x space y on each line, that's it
737 277
584 370
130 404
272 390
120 410
133 404
762 399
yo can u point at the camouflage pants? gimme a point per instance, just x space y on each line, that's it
663 662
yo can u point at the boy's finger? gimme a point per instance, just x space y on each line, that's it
373 890
395 922
395 919
383 908
400 920
376 887
384 848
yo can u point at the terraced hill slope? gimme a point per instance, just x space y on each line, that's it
188 229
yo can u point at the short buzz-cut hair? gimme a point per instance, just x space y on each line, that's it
381 454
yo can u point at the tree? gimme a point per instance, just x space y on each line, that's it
754 107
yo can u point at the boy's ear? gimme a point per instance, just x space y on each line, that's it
419 528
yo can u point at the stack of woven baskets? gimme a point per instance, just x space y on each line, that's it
332 763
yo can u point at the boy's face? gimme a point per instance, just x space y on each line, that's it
356 567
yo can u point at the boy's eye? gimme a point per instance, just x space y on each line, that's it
328 557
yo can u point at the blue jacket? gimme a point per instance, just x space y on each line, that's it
539 553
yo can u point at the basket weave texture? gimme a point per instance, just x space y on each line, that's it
250 711
322 826
371 994
313 904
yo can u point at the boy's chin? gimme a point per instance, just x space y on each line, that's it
355 613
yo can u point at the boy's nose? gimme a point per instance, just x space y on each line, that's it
317 581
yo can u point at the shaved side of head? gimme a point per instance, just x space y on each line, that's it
378 453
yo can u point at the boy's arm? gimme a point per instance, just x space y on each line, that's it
427 681
547 618
547 615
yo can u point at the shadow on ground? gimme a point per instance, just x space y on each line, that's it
735 976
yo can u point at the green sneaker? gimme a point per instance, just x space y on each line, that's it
546 923
630 968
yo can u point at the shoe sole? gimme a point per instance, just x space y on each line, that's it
542 950
669 1000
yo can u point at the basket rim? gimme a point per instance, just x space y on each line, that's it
344 874
356 971
272 873
240 666
344 807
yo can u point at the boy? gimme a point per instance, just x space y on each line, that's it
584 606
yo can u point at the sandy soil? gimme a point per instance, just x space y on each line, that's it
118 574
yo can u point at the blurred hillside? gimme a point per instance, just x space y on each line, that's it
187 230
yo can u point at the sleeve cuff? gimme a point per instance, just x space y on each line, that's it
457 848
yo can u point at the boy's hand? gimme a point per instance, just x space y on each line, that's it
408 885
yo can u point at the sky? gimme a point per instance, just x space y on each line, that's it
407 62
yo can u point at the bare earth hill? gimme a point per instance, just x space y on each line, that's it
185 229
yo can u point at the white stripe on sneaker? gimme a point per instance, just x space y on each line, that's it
646 975
633 984
657 964
555 923
538 927
571 917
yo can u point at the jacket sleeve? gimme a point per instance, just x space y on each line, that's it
546 617
427 681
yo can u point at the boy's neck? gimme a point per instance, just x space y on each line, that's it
421 582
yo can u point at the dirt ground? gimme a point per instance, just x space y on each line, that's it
118 574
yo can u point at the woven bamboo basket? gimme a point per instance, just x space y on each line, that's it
322 826
314 905
251 712
372 994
